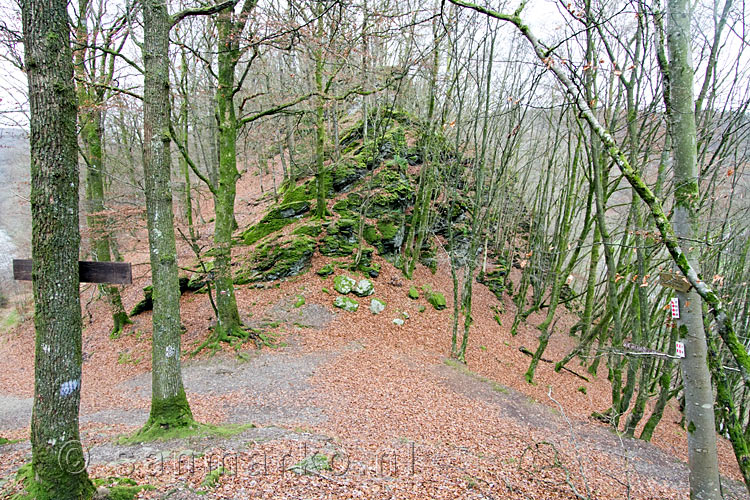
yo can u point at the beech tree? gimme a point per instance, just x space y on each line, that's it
169 405
94 72
57 462
699 412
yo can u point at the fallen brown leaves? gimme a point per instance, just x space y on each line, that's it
404 423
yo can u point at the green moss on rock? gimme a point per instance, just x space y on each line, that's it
371 235
392 232
276 219
313 230
326 270
344 284
363 288
346 303
276 260
345 175
335 246
121 488
303 192
495 281
341 239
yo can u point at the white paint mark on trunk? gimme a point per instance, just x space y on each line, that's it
69 387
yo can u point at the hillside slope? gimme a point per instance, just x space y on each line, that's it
393 416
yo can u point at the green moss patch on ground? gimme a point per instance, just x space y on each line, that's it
121 488
195 429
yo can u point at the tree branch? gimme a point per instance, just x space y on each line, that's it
276 109
189 160
202 11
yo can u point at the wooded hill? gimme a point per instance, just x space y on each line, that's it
591 178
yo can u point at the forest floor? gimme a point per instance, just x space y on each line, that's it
393 416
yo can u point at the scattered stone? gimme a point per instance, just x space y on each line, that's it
364 288
343 284
346 303
377 306
398 322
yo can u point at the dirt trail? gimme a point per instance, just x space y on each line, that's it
302 394
360 390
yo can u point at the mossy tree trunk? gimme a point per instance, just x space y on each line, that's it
91 101
169 406
92 133
699 412
321 173
229 32
55 246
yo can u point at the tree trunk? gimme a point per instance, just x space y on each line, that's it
321 173
92 137
55 247
92 133
226 188
169 406
699 401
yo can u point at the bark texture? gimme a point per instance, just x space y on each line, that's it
699 407
58 465
169 406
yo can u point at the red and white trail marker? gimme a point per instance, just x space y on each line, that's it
680 349
674 305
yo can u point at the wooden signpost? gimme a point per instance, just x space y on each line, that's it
119 273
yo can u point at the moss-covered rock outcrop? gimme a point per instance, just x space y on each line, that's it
379 189
277 259
276 219
495 280
341 238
